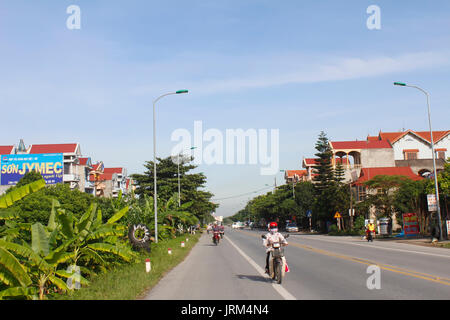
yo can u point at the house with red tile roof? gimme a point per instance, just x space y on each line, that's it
357 154
109 181
71 153
118 180
366 174
294 176
83 169
79 172
413 149
7 150
310 163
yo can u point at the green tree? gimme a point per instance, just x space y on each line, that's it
28 178
167 184
325 187
383 195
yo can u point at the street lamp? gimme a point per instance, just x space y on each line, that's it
155 195
432 151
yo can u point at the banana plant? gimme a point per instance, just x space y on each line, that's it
89 239
13 272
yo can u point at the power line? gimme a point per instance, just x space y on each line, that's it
243 194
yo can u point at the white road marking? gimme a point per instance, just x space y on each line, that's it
376 247
282 291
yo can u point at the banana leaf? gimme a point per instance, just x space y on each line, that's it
117 216
15 195
10 263
39 239
14 292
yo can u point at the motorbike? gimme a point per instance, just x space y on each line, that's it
216 237
277 261
369 235
222 233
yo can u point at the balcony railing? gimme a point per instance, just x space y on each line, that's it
71 177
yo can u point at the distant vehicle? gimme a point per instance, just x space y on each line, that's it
237 225
291 227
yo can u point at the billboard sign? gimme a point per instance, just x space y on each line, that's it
411 224
432 204
14 166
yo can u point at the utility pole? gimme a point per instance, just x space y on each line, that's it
351 206
293 190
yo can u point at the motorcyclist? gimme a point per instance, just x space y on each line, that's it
370 230
272 236
215 228
222 229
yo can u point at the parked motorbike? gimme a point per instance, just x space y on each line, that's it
216 237
277 261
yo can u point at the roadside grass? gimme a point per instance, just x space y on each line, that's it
131 281
444 245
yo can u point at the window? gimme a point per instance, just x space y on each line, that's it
361 193
441 155
410 154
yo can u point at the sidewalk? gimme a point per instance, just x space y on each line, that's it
424 241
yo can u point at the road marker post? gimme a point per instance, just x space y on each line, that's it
148 266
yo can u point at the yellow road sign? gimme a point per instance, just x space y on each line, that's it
337 215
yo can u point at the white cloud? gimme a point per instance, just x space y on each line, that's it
240 73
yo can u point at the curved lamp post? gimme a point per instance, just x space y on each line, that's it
155 196
432 151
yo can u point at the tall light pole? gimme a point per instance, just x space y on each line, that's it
433 154
155 195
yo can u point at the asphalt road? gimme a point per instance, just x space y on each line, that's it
321 267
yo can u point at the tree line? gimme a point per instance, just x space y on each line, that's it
386 196
50 234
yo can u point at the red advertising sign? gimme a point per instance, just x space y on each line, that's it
411 224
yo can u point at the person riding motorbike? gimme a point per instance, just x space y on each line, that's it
370 231
215 228
272 236
222 230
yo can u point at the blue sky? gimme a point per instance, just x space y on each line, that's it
297 66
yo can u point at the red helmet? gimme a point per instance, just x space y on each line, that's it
273 225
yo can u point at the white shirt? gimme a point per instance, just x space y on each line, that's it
271 238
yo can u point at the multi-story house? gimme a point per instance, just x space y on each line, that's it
413 149
310 163
71 154
118 180
94 177
294 176
356 155
83 169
